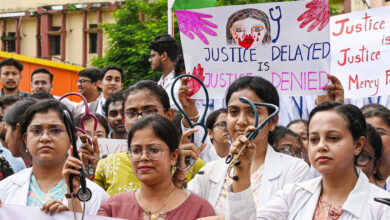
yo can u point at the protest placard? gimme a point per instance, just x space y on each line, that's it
109 146
360 52
27 212
284 42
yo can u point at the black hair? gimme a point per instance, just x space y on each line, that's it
12 118
305 122
165 43
42 95
177 118
162 127
262 87
9 99
116 97
93 73
382 113
279 133
43 70
179 65
372 106
157 90
210 121
351 114
100 118
375 140
45 106
112 67
11 62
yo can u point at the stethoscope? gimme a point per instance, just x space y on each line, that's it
201 122
385 201
233 160
84 194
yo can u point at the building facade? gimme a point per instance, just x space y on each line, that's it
58 30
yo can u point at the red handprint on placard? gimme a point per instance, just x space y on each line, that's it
317 12
190 21
192 83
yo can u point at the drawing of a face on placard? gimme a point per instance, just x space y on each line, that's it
248 28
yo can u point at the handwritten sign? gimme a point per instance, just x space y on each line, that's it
25 212
111 146
285 42
360 52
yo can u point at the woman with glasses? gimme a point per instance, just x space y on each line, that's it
44 129
285 141
369 160
261 171
380 119
153 144
336 138
217 131
114 173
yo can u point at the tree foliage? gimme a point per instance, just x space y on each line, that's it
137 23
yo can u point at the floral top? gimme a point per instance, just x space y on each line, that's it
256 178
115 175
36 197
5 168
325 211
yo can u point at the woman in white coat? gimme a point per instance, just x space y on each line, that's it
336 137
267 170
47 140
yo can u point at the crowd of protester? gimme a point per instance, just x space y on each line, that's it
331 162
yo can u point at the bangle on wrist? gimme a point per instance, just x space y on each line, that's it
195 117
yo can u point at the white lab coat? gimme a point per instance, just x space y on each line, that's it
14 190
279 170
298 201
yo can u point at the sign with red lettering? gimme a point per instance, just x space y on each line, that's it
360 53
284 42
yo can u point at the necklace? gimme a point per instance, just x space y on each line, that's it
155 215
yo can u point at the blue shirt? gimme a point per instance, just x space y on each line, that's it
17 164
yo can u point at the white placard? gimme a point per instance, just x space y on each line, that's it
26 212
284 42
360 54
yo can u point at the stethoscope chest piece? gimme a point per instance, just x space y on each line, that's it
89 170
84 196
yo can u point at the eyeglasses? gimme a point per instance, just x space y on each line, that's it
286 149
53 132
43 83
153 152
221 125
131 115
83 81
363 160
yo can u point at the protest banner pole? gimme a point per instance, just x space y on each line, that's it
170 17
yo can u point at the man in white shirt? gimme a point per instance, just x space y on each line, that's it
42 80
163 54
112 82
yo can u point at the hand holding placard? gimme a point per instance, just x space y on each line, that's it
318 13
190 21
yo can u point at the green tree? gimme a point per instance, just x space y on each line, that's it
137 23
